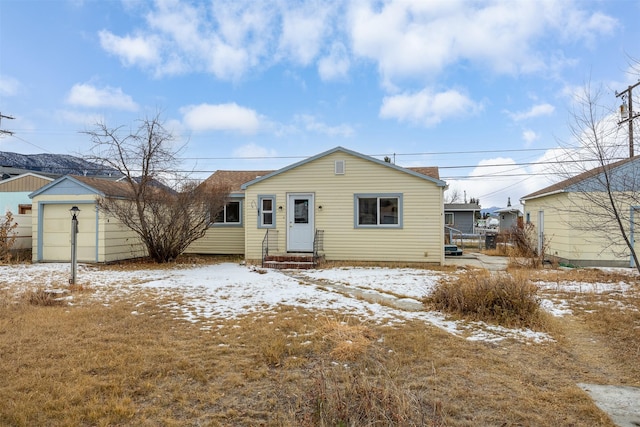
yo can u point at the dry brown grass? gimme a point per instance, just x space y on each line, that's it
131 364
506 299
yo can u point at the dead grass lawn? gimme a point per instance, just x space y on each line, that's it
91 364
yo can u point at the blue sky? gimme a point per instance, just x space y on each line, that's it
262 84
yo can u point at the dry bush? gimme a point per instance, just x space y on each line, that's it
351 397
44 297
504 299
8 237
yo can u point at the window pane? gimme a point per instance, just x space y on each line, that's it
233 212
301 211
368 211
267 218
267 205
388 210
448 219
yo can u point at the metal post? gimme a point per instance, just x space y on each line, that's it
74 243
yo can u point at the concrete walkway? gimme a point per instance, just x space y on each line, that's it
476 259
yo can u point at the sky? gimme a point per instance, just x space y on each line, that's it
482 89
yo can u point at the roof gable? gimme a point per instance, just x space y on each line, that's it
77 185
428 173
233 180
589 177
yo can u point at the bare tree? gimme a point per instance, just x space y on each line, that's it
452 195
165 211
604 185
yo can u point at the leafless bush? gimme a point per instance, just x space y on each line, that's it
504 299
8 236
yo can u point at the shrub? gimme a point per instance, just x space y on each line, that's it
7 236
503 299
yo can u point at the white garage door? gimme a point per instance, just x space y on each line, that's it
56 233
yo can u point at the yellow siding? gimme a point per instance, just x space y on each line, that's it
565 216
100 239
220 241
419 240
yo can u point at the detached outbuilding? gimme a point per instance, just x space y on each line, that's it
100 238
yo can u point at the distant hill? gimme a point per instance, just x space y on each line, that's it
58 164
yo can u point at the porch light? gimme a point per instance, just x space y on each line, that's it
74 243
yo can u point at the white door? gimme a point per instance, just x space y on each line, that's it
300 222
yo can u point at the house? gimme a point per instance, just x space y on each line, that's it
508 217
226 235
100 238
15 190
14 197
461 216
572 221
351 206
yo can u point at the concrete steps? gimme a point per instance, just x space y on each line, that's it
290 261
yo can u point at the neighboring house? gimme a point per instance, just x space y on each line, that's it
563 215
100 238
508 218
15 190
362 208
461 216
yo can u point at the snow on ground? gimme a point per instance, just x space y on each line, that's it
211 293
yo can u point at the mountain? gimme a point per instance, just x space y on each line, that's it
59 164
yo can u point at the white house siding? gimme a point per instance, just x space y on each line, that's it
220 240
565 236
419 240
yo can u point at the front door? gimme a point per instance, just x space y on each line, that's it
300 222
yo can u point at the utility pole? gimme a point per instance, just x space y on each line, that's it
626 113
2 131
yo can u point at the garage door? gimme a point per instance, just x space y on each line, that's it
56 233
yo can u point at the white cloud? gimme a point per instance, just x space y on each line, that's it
85 95
254 150
334 66
138 50
535 111
529 136
310 123
427 108
9 86
418 39
84 119
221 117
303 30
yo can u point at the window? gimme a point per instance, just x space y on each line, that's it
448 218
230 214
528 218
339 169
384 210
266 214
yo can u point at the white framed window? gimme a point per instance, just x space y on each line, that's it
231 214
448 218
378 210
266 211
